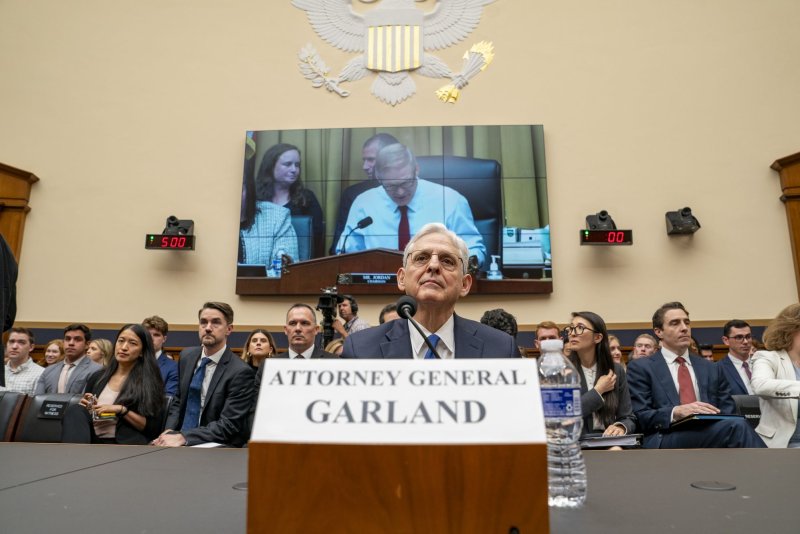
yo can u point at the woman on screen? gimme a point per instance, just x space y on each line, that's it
265 229
278 181
776 373
605 400
123 403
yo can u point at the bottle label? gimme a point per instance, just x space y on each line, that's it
561 402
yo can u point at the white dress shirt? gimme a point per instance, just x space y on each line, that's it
737 363
306 354
446 347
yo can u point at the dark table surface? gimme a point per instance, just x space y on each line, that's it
121 489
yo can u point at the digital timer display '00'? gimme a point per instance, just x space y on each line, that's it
607 237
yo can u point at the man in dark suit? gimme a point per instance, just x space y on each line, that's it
216 388
8 292
434 272
673 384
159 328
736 334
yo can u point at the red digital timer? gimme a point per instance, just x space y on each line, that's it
169 242
606 237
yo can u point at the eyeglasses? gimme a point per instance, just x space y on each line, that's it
741 337
402 184
421 258
576 329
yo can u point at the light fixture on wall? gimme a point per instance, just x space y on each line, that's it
600 221
681 222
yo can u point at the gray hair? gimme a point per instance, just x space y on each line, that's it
394 156
439 228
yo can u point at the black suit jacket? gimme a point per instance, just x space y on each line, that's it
8 293
125 433
732 376
654 395
391 340
592 401
223 418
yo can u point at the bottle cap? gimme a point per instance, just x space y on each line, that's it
551 345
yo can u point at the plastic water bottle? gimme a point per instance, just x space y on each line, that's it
561 399
275 269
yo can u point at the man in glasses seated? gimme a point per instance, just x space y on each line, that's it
434 272
403 205
736 334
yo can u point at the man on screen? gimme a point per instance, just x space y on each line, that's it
404 204
369 153
434 273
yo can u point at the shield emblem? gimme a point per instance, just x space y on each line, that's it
394 48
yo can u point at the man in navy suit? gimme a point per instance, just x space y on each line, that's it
736 365
159 328
434 272
672 384
216 388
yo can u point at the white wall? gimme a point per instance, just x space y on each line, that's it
132 111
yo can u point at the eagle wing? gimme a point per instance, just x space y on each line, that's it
451 22
335 22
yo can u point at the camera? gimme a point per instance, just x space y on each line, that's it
327 304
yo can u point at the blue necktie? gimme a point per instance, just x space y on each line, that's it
434 339
191 419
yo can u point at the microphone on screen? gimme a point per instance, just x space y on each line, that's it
406 308
363 223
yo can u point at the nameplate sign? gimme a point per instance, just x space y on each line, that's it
400 402
52 409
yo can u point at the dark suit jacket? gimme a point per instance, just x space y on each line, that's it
8 293
228 400
169 373
127 434
391 340
732 376
592 401
653 393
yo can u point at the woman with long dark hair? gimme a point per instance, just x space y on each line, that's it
278 181
123 403
605 400
259 346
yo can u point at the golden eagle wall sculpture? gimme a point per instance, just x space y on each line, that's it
392 40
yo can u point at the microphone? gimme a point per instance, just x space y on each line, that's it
406 308
363 223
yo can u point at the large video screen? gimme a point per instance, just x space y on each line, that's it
310 194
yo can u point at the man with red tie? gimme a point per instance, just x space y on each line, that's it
403 205
673 384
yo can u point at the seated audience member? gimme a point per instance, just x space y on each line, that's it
403 205
706 351
216 388
278 181
616 349
605 401
694 346
21 371
388 313
499 319
70 374
53 353
434 273
348 311
738 368
776 374
335 347
673 384
369 152
644 345
158 330
100 351
123 403
259 346
546 330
